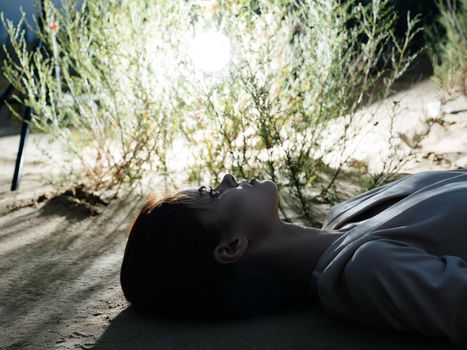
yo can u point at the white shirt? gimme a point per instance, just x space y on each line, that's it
404 266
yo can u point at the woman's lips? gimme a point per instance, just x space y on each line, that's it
251 182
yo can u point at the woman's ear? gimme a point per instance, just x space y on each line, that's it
230 250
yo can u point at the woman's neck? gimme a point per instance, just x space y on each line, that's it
292 252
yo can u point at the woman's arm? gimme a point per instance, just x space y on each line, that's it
397 284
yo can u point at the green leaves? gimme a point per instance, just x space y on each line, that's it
449 49
136 103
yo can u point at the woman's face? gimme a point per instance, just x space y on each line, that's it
248 207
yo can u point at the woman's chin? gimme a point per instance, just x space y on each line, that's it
271 188
270 184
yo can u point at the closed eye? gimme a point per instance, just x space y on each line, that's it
212 193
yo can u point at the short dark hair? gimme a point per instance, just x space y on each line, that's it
168 266
168 263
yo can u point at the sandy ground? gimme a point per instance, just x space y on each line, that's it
59 265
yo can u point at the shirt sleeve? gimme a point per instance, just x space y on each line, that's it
396 284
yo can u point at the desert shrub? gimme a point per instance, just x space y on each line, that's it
97 83
449 47
297 68
118 84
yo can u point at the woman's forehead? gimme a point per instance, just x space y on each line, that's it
200 201
192 192
195 194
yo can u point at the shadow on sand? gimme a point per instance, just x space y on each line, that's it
305 329
57 264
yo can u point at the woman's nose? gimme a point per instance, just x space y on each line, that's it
228 181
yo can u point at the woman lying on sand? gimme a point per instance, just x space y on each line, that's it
391 257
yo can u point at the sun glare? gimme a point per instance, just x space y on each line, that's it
210 51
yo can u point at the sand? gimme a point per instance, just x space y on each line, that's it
60 260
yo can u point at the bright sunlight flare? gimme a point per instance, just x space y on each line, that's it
210 51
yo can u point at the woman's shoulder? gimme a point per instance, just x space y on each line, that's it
399 189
